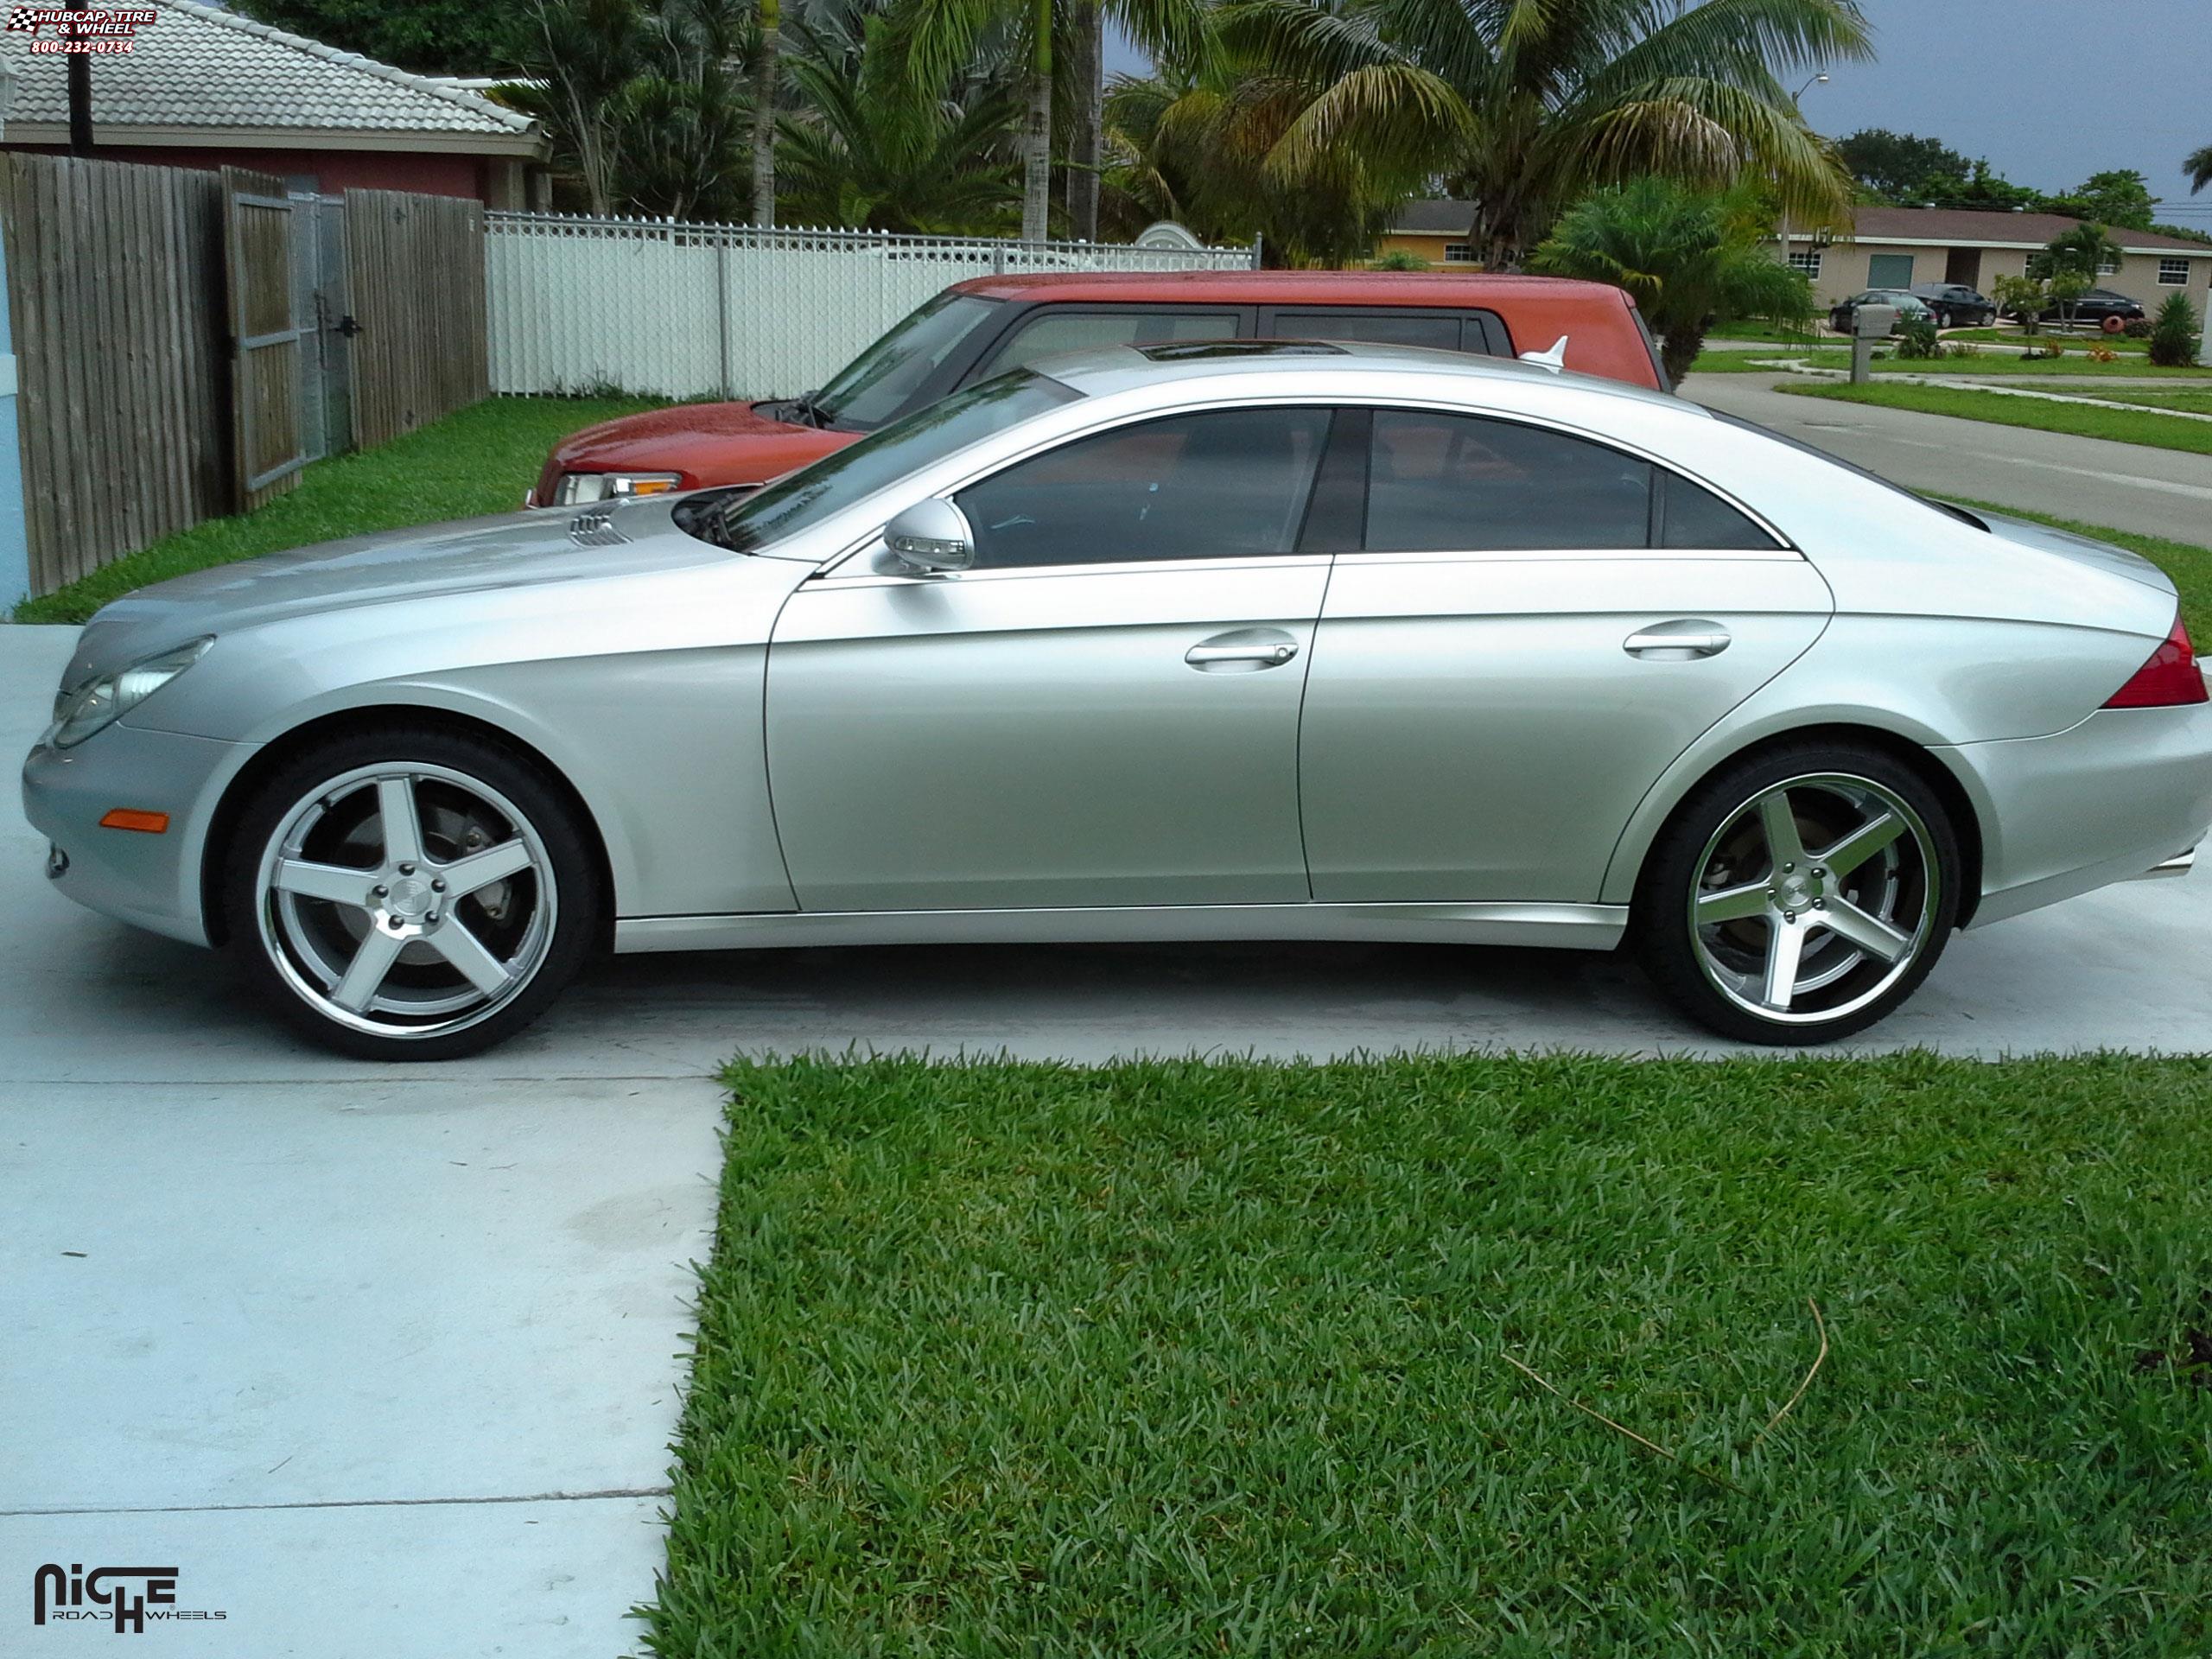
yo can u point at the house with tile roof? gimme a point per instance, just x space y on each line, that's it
1896 247
203 87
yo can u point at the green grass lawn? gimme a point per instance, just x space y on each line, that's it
478 461
2189 565
2077 342
2082 420
2192 403
1191 1358
1981 363
1768 331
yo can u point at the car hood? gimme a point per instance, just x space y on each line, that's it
510 550
706 443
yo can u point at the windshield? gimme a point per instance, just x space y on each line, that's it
837 480
877 386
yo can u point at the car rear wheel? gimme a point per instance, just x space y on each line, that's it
1800 895
410 894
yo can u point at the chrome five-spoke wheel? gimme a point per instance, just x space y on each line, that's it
1810 898
1814 898
398 904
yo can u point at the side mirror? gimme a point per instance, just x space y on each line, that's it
931 539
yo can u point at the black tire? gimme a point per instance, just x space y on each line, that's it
1693 963
568 892
1943 320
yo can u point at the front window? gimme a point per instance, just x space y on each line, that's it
1459 253
1807 260
837 481
2173 273
880 384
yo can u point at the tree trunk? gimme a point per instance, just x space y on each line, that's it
1089 32
1678 349
764 117
80 97
1037 137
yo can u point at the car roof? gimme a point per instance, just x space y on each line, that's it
1289 286
1098 370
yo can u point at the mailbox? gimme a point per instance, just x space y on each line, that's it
1873 321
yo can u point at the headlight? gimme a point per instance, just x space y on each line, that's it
575 489
79 714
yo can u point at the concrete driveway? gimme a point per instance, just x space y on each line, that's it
2125 485
386 1362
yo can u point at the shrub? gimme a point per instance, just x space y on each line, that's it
2137 328
2100 352
1398 259
2173 337
1916 337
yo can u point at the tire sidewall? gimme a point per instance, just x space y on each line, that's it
1660 929
556 821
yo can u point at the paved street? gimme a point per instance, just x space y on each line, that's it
2151 491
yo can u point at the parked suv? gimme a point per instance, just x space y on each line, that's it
978 328
2110 311
1909 304
1957 306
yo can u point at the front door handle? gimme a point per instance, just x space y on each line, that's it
1244 650
1677 642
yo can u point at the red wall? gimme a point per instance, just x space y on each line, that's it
335 170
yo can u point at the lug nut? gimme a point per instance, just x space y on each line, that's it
396 923
1819 875
1788 915
438 884
380 890
431 920
1820 904
407 870
1785 869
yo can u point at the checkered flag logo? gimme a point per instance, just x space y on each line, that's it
23 20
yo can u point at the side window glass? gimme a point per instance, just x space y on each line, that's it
1227 484
1076 331
1692 516
1442 333
1451 483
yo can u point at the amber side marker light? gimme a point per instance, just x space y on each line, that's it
129 818
2170 679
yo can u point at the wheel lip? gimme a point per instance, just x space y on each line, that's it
264 894
1916 947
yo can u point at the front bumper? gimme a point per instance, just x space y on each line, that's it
2124 794
151 881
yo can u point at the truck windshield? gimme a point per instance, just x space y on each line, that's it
878 385
837 480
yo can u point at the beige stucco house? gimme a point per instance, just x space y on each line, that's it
1897 247
1434 230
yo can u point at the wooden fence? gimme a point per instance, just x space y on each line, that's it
163 336
116 298
417 267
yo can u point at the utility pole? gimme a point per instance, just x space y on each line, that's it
80 93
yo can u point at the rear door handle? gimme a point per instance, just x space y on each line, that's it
1243 650
1678 641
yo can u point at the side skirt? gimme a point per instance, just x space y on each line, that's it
1582 927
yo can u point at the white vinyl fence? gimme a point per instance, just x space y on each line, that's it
719 310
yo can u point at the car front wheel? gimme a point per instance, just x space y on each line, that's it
409 894
1800 895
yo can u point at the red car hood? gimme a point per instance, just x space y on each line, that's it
709 443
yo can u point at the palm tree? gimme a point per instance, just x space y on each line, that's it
1687 258
2199 165
767 39
942 35
1197 148
867 148
1525 105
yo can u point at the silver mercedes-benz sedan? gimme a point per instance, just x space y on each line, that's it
1189 642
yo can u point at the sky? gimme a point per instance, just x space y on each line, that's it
2051 90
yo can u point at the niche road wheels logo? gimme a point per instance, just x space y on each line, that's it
105 33
125 1597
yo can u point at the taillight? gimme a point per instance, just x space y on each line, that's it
2170 678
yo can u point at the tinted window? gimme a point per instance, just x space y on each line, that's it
837 480
877 386
1220 485
1692 516
1442 333
1451 483
1076 331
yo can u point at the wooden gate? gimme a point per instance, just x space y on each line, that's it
417 265
264 339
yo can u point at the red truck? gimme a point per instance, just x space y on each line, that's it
978 328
